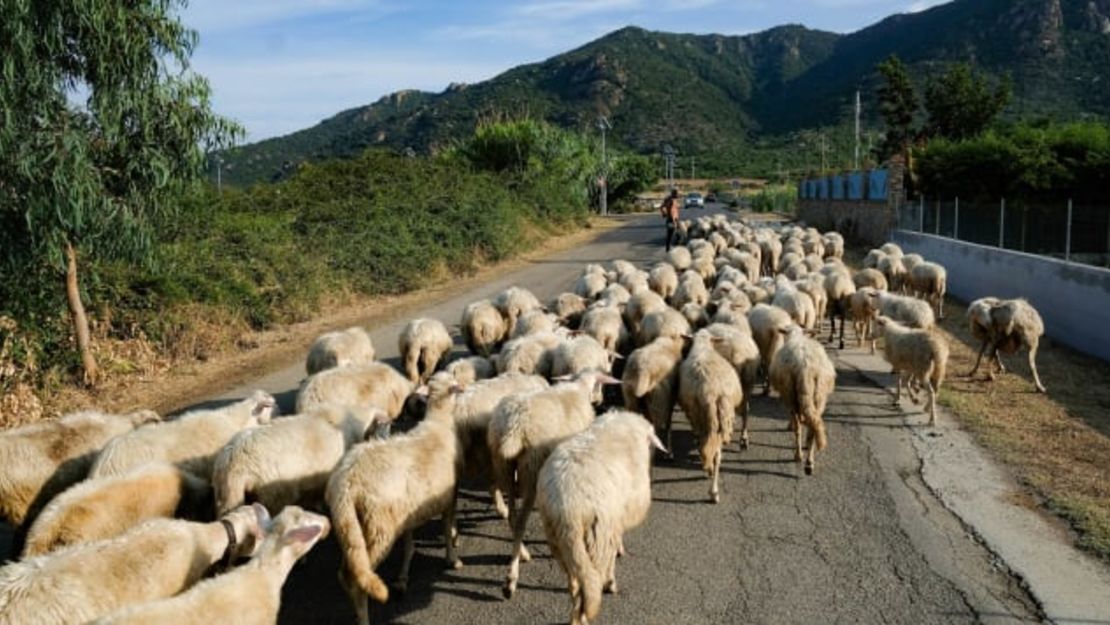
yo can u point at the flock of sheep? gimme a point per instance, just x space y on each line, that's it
110 509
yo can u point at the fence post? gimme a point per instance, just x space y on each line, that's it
1002 225
936 226
1067 238
956 221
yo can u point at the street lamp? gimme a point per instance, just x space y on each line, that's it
603 125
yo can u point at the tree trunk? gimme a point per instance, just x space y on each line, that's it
80 320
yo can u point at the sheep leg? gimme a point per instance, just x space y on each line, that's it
979 358
843 320
428 361
796 425
499 501
1033 367
715 486
408 546
577 605
745 437
451 535
610 585
519 527
811 449
359 599
411 370
932 403
992 354
898 391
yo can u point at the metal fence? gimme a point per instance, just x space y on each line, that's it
1067 230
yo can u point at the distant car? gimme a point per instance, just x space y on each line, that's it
694 200
711 197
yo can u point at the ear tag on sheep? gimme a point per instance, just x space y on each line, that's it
655 442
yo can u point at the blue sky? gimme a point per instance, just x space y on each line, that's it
281 65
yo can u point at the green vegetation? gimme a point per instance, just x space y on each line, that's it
961 103
1026 161
86 184
275 253
782 198
898 104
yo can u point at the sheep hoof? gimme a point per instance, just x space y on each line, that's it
809 468
507 590
525 555
744 442
611 587
1041 389
456 564
715 497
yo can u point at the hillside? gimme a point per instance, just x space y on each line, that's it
715 94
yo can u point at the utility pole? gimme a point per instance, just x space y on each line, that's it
669 153
858 110
693 167
603 125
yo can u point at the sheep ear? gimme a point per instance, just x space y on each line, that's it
304 534
263 515
562 378
607 379
616 356
655 442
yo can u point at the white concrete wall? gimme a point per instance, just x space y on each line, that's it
1073 299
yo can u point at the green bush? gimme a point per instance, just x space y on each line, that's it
775 198
376 224
1050 162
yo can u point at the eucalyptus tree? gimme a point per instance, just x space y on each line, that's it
103 125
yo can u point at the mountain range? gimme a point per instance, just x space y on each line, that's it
708 94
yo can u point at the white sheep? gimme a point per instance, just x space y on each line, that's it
158 559
40 460
253 590
470 369
590 285
710 393
871 261
891 249
482 328
839 290
386 488
533 322
767 324
189 441
870 278
373 384
104 507
338 349
663 279
649 383
569 308
930 282
289 461
919 357
1006 325
423 343
894 272
594 487
691 289
740 350
864 306
903 309
667 322
909 261
804 378
679 257
473 411
641 305
578 355
606 326
797 304
522 432
514 302
696 316
528 355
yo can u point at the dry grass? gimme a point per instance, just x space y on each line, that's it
1058 445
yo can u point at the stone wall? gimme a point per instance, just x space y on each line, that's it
868 223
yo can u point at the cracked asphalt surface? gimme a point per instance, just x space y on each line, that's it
861 541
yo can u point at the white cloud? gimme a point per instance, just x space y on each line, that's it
565 10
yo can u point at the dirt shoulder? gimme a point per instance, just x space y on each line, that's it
259 353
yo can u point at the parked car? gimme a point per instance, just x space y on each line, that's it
710 197
694 200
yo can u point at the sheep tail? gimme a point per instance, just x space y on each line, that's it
726 417
806 396
584 567
349 531
512 445
712 442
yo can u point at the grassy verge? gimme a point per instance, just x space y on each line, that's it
1058 445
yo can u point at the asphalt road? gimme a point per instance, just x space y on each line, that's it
861 541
